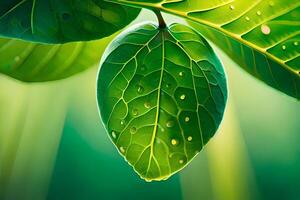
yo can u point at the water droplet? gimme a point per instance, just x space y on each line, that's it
231 7
247 18
174 142
296 43
17 58
122 122
140 89
181 161
170 124
258 13
147 104
271 3
265 29
181 74
133 130
113 134
162 129
135 112
283 47
190 138
187 119
182 97
122 149
168 85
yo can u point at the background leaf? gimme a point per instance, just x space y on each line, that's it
261 35
60 21
161 94
32 62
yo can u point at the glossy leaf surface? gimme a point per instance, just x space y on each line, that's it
32 62
60 21
263 36
161 95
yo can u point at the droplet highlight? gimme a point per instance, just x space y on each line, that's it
135 112
296 43
174 142
187 119
265 29
114 134
247 18
231 7
122 149
258 13
147 104
283 47
170 124
190 138
182 97
181 74
140 89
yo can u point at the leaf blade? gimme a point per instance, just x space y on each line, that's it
64 21
153 93
32 62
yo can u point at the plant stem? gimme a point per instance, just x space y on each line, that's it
161 21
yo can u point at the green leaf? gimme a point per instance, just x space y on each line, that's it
263 36
161 95
60 21
32 62
281 75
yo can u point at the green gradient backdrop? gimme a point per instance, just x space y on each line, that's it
53 146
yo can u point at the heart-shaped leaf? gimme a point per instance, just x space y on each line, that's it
263 36
161 95
32 62
60 21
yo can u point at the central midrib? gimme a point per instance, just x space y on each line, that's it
158 103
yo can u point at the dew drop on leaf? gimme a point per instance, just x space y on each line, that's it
231 7
190 138
296 43
182 97
170 124
147 104
122 149
135 112
174 142
258 13
133 130
265 29
181 74
140 89
113 134
187 119
283 47
247 18
122 122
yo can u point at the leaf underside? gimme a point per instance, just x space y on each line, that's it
263 36
161 95
60 21
32 62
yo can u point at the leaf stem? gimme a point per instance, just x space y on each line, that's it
161 21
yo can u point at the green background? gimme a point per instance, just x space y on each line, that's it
53 145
